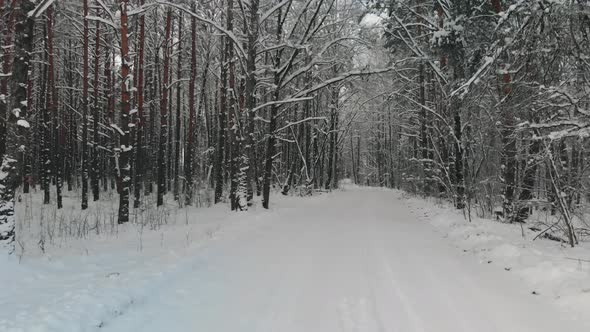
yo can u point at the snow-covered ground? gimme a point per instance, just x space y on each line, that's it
550 270
353 260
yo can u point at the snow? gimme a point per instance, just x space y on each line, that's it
354 260
118 129
126 148
103 20
42 7
557 273
371 20
79 284
23 123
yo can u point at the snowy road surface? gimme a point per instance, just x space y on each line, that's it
351 261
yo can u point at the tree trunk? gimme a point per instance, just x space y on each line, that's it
270 151
52 109
459 163
95 174
272 125
177 145
237 202
45 155
333 138
139 160
170 146
6 29
85 105
188 156
250 93
126 146
220 153
164 115
11 140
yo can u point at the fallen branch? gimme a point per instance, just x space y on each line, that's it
546 235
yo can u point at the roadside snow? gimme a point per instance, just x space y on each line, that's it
82 284
550 269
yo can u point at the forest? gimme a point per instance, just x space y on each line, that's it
161 104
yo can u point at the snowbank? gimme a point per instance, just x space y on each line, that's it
551 269
80 284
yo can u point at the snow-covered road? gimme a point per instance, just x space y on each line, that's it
357 260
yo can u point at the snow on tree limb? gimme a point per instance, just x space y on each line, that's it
106 9
118 129
41 8
290 124
23 123
494 53
342 78
280 102
269 12
103 20
236 43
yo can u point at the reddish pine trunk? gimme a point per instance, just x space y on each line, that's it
497 6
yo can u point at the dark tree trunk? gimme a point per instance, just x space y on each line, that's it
28 178
45 155
188 156
125 145
423 134
220 151
109 168
85 105
459 163
234 125
6 29
528 182
270 151
170 145
52 110
333 139
95 172
272 125
250 94
139 160
11 139
164 115
177 145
